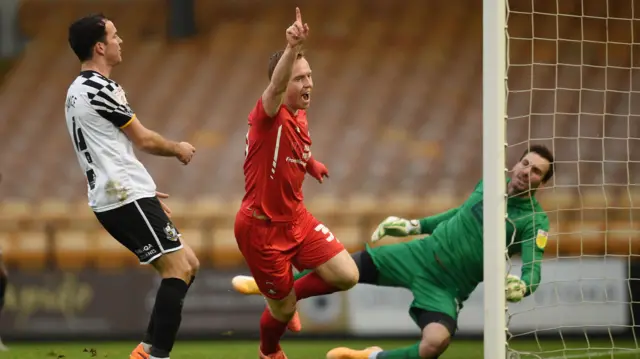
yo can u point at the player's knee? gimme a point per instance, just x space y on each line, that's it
287 311
349 276
435 340
174 265
195 265
430 349
349 279
283 309
340 271
193 260
184 272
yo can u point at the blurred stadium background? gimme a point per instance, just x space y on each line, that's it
396 116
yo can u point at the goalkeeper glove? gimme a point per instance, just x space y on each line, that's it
396 227
515 288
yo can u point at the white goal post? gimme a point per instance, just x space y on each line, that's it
566 74
493 172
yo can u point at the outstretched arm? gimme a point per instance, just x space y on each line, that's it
400 227
111 104
429 224
272 97
153 143
534 240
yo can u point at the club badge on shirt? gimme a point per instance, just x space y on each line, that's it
120 95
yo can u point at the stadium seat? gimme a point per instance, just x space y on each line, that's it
400 203
194 238
53 209
109 254
210 206
13 209
6 247
582 238
324 204
350 236
623 238
72 249
27 250
224 252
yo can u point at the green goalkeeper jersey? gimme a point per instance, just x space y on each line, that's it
456 239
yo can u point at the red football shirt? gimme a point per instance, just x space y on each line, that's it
276 155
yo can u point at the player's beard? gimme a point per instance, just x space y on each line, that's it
517 187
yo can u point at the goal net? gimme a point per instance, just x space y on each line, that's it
573 69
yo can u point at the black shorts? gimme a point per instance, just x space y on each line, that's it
142 227
426 317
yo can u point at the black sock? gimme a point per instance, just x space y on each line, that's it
148 336
3 287
167 315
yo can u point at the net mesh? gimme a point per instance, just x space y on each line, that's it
574 85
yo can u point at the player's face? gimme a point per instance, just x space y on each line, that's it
300 85
111 47
528 173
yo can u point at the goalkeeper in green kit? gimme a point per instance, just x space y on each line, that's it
443 269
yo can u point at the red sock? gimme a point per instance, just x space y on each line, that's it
312 285
271 330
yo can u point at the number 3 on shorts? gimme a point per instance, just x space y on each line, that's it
322 228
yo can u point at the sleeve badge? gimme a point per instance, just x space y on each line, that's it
541 239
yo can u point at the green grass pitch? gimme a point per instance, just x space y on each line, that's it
296 349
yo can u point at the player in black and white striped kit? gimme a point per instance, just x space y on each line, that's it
104 129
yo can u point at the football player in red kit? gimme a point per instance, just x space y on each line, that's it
273 228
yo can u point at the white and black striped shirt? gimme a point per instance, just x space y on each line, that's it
96 110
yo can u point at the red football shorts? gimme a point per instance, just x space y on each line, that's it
270 249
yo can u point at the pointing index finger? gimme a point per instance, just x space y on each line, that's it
298 15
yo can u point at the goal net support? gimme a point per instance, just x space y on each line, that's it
566 74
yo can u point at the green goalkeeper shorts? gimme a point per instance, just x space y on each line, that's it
412 265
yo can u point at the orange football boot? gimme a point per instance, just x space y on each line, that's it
245 285
294 324
139 353
277 355
346 353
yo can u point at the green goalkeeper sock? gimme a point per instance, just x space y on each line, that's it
301 274
412 352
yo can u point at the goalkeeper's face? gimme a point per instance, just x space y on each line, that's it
528 173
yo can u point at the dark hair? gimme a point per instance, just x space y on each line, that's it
275 58
85 33
545 153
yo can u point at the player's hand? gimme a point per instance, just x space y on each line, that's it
165 208
317 170
185 152
515 288
396 227
298 32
